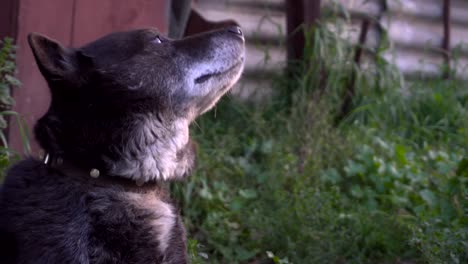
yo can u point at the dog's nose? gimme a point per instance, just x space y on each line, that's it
236 30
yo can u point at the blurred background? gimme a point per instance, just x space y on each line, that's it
344 142
422 33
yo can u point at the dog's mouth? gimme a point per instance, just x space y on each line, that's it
205 77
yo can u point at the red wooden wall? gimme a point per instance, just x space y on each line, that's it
73 23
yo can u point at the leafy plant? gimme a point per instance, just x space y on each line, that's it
7 81
283 182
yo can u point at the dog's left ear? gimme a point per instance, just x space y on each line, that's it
54 60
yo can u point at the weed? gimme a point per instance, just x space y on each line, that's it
282 181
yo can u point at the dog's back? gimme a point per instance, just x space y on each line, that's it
48 217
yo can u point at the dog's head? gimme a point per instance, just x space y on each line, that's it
123 103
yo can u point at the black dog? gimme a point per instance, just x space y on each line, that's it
117 129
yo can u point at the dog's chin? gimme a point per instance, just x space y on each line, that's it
220 72
221 83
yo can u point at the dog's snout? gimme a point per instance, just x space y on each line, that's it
236 30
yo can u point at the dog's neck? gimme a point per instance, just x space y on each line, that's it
150 151
155 152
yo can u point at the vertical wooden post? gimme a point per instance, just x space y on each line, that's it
446 41
312 12
301 14
295 36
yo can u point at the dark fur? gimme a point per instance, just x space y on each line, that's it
121 104
55 219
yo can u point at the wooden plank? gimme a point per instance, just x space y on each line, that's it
94 19
459 39
432 9
350 32
459 11
32 98
423 8
247 5
8 18
425 34
266 59
414 32
367 8
253 89
416 63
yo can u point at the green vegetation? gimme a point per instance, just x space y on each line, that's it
285 181
7 81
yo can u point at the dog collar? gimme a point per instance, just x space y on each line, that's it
48 161
68 168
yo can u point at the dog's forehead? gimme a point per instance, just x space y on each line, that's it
119 45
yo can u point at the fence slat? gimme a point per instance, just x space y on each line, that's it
432 9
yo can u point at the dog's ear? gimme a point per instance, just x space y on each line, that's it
54 60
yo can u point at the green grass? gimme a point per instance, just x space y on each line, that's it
283 181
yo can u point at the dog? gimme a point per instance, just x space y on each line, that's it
116 131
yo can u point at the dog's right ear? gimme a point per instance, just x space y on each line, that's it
54 60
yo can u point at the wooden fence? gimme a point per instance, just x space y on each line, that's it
415 29
73 23
422 34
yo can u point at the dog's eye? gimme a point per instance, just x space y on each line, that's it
157 40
